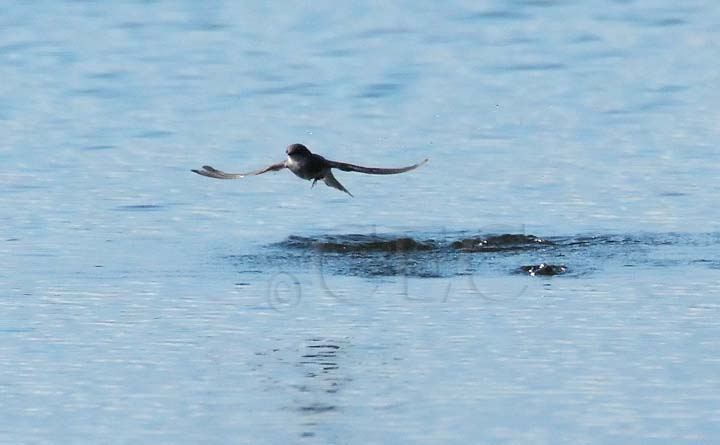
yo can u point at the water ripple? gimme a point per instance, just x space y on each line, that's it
379 90
542 66
140 208
496 15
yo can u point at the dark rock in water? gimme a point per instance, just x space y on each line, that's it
396 245
544 269
467 253
495 243
359 243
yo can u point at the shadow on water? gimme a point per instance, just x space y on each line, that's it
461 253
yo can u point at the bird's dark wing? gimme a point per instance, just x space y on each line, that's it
217 174
373 170
331 181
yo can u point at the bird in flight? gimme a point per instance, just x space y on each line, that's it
310 166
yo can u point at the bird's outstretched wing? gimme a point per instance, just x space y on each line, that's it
373 170
217 174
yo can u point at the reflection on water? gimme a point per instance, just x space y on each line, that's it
315 390
324 379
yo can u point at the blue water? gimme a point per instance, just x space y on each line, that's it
143 303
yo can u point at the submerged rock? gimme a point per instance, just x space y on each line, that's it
495 243
359 243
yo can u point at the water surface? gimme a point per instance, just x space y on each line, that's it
144 303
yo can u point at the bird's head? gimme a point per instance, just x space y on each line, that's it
297 150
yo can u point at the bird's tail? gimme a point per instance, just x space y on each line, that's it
331 181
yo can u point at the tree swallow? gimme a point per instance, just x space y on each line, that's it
310 166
